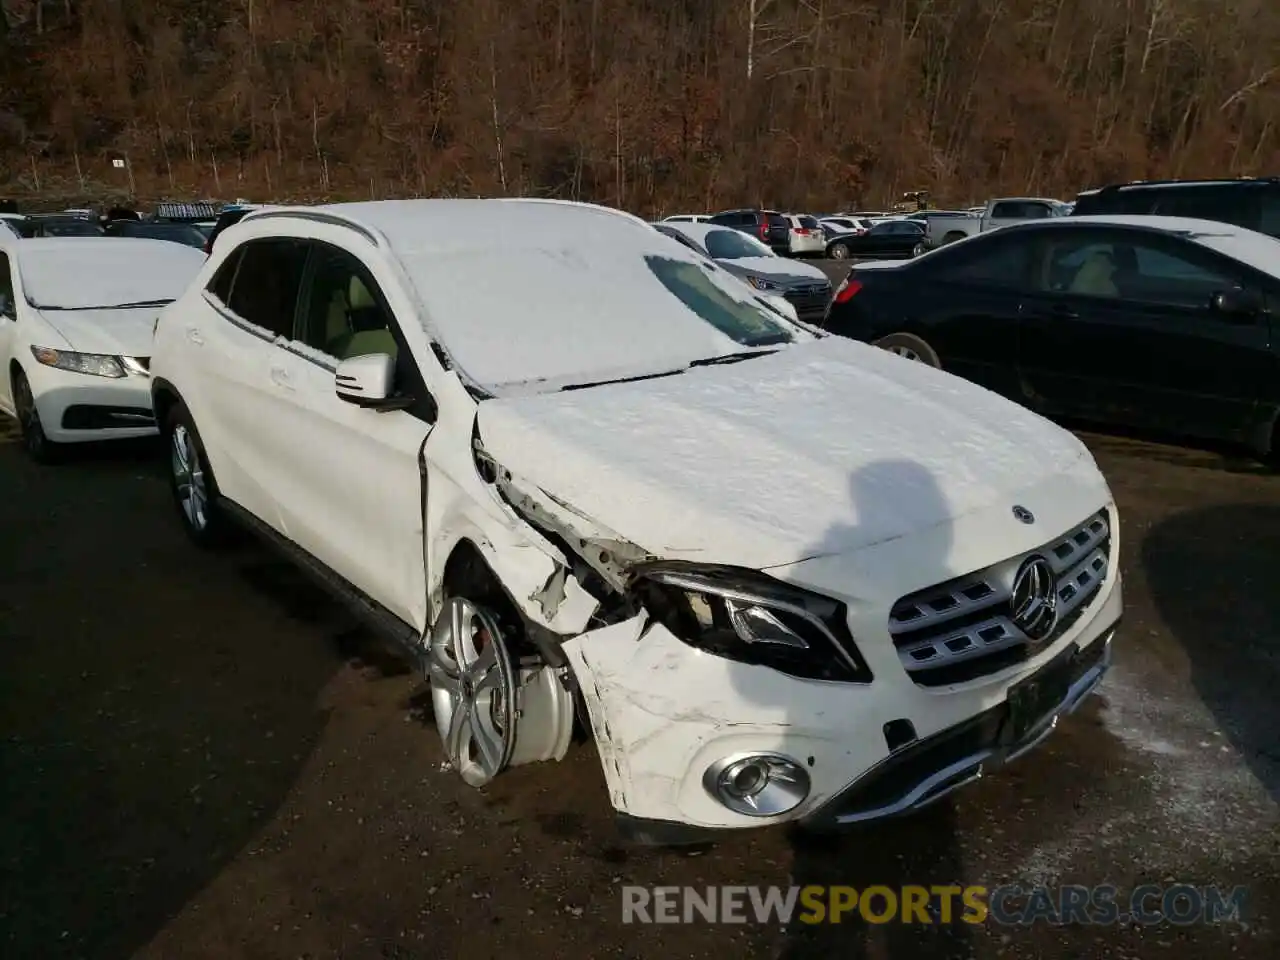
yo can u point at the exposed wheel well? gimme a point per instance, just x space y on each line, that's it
163 397
15 368
468 574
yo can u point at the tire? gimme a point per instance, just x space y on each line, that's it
35 442
909 347
953 236
919 250
192 484
838 251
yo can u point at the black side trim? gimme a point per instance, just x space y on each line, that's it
378 617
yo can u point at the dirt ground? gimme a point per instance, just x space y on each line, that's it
200 757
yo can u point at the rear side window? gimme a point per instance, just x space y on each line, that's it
6 287
809 223
220 285
265 290
999 262
777 220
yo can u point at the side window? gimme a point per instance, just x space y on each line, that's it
7 307
1136 269
995 263
1180 276
265 291
345 316
1007 210
220 285
1269 213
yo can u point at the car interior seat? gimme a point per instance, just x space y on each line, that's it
1096 276
356 324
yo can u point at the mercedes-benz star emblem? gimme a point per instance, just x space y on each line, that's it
1022 514
1034 604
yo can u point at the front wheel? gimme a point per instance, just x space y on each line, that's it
909 347
191 481
35 442
839 251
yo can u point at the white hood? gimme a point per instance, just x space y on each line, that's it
128 333
821 448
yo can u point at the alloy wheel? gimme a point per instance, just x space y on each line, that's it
188 477
33 436
473 691
905 352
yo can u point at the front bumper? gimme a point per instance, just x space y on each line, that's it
76 408
925 771
664 713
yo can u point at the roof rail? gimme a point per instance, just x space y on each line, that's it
317 216
1212 181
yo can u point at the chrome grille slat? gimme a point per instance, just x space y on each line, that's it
964 626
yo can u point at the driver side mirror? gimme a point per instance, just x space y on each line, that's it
369 381
1236 303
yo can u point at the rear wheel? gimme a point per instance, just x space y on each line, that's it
919 250
953 236
191 481
839 251
34 440
909 347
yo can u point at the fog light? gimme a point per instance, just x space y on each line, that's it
757 785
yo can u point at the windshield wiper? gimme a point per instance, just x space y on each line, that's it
643 376
731 358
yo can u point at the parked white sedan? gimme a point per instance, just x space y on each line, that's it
77 316
786 576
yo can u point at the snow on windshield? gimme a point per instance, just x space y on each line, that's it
86 273
622 302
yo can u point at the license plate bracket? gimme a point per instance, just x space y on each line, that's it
1032 700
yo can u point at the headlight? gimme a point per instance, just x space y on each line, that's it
92 364
745 616
762 284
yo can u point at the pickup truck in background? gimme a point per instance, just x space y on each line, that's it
945 226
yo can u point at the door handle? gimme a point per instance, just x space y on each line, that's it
280 377
193 334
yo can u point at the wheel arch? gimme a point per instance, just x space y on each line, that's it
164 396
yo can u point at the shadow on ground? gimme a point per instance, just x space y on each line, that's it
153 713
1212 576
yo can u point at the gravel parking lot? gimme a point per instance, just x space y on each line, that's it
200 756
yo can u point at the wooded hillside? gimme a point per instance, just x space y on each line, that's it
653 105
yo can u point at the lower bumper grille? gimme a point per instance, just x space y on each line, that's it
989 620
810 301
83 416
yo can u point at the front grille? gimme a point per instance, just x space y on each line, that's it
810 301
965 628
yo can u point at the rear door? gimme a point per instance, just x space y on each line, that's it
252 299
1120 329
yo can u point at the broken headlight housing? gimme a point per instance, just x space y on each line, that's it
745 616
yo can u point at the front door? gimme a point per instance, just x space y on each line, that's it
354 496
1120 328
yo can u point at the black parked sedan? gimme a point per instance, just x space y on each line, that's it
891 240
1152 322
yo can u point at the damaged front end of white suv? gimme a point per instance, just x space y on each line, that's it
764 627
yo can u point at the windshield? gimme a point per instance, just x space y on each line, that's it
733 245
107 272
624 302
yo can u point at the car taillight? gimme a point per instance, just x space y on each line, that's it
846 291
764 229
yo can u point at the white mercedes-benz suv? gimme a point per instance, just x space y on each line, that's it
568 463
